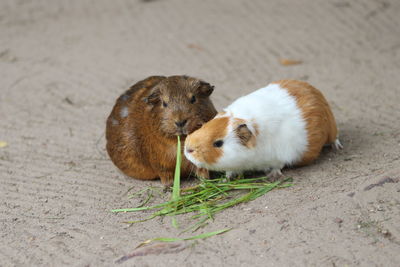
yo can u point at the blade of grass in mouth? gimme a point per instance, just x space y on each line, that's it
177 179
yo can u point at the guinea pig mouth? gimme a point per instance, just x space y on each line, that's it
181 132
192 159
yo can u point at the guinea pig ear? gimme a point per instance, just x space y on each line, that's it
205 88
246 137
153 97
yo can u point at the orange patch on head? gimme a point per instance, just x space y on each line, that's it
202 140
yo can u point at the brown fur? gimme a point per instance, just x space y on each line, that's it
320 122
210 132
143 143
244 134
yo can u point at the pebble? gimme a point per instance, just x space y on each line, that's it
338 220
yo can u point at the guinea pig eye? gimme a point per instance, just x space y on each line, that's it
193 99
164 104
218 143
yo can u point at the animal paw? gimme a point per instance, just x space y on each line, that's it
275 174
231 176
167 179
202 173
337 145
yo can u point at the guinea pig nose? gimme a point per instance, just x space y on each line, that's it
189 150
180 123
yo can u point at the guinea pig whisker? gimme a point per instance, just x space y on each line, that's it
192 170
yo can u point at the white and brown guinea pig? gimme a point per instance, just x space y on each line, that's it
285 123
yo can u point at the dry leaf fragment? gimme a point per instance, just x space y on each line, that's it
289 62
195 46
3 144
155 249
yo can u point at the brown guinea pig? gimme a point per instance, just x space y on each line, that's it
143 126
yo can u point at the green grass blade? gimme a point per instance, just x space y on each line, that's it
209 234
174 222
177 179
138 193
201 236
141 208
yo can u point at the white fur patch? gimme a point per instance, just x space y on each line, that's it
124 112
114 121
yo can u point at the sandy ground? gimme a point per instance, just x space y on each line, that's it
63 64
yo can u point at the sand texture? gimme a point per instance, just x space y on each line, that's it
63 64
